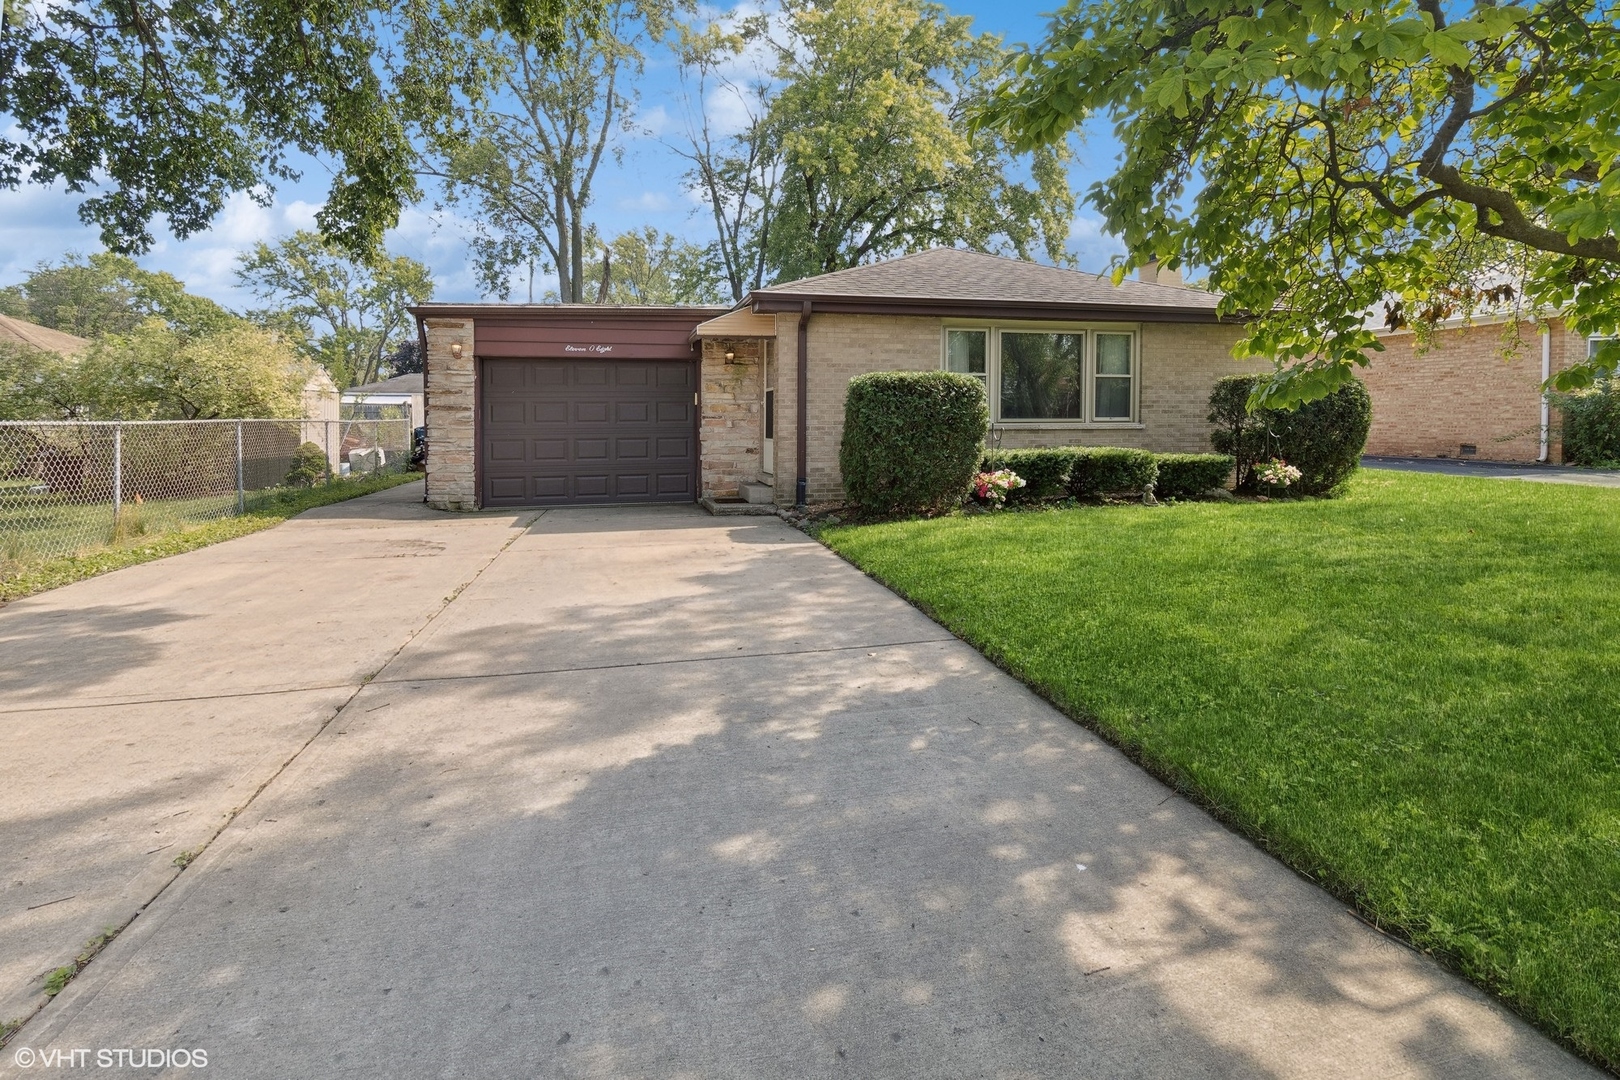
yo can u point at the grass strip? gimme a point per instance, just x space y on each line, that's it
1410 694
27 578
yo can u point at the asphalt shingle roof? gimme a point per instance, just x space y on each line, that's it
40 337
399 384
950 274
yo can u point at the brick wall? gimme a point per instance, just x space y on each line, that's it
451 411
1180 363
733 414
1477 385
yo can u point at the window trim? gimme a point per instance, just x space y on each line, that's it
1088 405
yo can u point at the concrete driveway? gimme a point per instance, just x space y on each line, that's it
650 794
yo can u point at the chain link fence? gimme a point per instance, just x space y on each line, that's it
70 485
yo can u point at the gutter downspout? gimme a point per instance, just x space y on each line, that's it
1546 373
421 343
802 409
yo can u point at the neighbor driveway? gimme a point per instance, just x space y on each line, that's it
619 793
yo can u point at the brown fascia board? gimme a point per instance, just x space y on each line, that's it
528 312
793 303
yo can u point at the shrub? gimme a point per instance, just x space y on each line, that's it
912 439
309 466
1183 476
1592 426
1322 438
1045 471
1238 432
1111 470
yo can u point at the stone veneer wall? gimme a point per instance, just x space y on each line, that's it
452 482
1180 363
1477 385
732 430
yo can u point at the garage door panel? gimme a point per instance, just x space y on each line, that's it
555 432
506 487
504 378
551 487
506 449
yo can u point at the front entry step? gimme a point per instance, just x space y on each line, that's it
755 492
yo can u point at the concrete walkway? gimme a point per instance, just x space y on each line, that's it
656 794
1499 470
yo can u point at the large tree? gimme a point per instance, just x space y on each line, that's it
349 315
1339 166
864 148
108 294
644 266
523 146
168 107
733 164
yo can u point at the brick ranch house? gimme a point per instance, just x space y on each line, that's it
1474 392
568 404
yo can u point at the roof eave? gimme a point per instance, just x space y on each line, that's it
767 302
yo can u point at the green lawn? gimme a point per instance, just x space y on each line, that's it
1411 693
169 528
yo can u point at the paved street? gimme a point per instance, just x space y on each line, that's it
1499 470
634 792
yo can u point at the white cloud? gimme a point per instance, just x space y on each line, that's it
654 202
1091 246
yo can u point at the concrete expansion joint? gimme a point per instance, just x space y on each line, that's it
678 661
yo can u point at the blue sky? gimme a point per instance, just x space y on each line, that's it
42 224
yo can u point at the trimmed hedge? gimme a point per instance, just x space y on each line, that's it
1045 471
1111 470
1323 439
1591 429
1186 476
912 440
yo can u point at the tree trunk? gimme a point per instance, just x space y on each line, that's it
578 269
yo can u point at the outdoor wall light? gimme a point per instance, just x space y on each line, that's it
730 356
455 350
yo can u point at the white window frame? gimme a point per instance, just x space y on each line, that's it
1088 405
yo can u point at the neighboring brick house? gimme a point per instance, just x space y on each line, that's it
532 405
1474 391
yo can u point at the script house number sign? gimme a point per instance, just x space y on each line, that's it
598 350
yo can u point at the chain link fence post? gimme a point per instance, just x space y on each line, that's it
241 486
118 474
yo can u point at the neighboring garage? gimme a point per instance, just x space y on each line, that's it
572 404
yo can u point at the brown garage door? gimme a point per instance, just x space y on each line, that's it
559 432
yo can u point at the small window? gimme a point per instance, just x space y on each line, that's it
1113 376
1596 343
965 352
